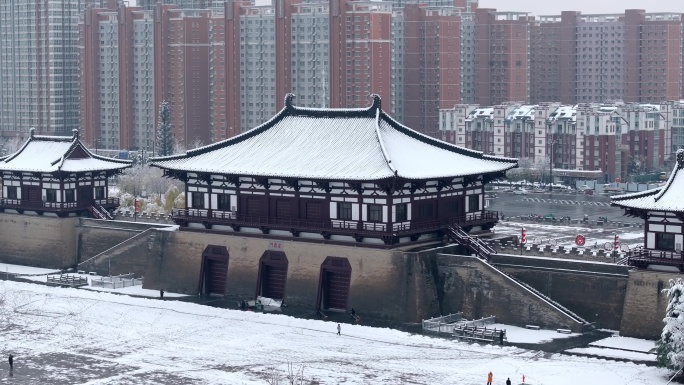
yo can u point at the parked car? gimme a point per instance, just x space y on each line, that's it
522 191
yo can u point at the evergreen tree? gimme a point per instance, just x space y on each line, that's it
164 134
670 347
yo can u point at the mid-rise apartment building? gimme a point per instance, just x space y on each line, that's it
584 137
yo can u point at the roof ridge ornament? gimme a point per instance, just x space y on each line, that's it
32 132
680 158
377 102
75 132
288 101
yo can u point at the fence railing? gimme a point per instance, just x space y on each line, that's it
229 217
444 324
67 279
117 282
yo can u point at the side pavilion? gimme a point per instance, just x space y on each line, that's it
58 175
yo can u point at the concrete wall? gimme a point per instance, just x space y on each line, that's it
38 241
478 290
645 304
594 291
385 284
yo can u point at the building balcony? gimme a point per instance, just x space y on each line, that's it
59 208
357 229
641 258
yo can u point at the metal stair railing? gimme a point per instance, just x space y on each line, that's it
103 211
476 245
95 212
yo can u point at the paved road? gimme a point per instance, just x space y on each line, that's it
560 204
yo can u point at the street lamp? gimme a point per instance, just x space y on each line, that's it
552 143
97 143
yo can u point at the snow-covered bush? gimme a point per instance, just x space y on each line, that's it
670 347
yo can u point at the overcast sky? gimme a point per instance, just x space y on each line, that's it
550 7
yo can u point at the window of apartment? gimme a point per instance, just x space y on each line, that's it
344 210
197 200
401 211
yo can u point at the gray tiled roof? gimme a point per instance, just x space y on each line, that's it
51 153
335 144
667 198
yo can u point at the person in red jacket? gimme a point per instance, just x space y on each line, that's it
490 377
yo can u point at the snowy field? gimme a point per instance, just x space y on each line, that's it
69 336
539 233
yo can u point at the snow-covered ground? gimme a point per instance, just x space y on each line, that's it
66 336
130 290
539 233
626 343
516 334
614 353
24 270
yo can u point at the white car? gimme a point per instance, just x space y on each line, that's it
520 192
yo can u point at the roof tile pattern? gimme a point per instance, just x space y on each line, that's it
49 154
335 144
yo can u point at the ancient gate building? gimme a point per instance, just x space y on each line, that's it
662 210
333 192
58 175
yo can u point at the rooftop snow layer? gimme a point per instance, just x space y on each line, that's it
335 144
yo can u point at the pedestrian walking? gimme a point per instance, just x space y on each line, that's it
11 362
490 378
161 293
501 336
508 381
339 329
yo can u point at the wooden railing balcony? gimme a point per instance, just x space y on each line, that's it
24 204
211 217
641 258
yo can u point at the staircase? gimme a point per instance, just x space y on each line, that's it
484 252
99 212
476 245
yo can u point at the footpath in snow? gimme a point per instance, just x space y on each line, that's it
66 336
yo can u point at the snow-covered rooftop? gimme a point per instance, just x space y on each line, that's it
666 198
58 153
525 111
564 112
335 144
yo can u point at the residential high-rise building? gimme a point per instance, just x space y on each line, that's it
501 56
39 84
118 107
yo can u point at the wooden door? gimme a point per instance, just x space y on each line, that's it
334 284
253 207
337 290
272 275
34 195
85 195
214 270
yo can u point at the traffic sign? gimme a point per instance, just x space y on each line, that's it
580 240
